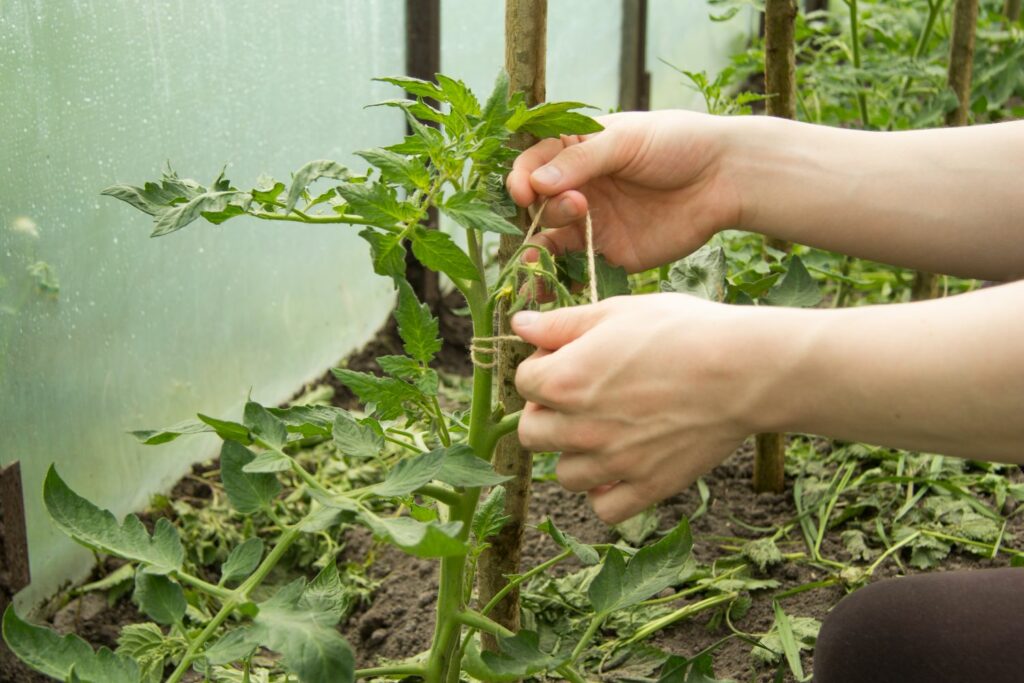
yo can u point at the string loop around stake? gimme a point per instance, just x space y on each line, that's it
489 345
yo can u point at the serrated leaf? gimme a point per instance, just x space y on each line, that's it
490 516
611 280
242 561
415 86
98 529
227 430
496 110
473 213
267 190
519 656
248 492
701 274
762 552
211 205
606 589
551 119
387 252
639 527
462 467
233 646
586 554
309 173
268 462
459 96
56 656
437 251
326 593
149 647
377 203
796 288
264 424
417 327
355 439
161 599
654 568
155 437
422 539
387 393
411 473
308 420
409 172
403 367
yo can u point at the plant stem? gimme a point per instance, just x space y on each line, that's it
239 596
682 613
478 621
397 670
588 635
862 99
350 219
217 591
450 498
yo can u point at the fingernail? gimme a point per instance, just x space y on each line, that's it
549 175
525 318
567 208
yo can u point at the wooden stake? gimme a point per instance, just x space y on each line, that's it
14 570
1012 9
525 54
959 76
634 79
780 86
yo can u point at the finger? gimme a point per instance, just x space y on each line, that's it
540 428
622 501
518 181
575 165
583 472
560 210
534 383
554 329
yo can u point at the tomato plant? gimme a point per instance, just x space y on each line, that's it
431 502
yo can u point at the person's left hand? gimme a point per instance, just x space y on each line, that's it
640 394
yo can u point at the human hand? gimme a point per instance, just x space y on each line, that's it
641 394
653 183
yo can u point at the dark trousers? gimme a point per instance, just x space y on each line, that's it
947 627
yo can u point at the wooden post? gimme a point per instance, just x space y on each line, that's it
525 52
959 76
1012 10
634 79
14 570
423 60
780 86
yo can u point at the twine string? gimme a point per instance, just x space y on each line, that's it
487 346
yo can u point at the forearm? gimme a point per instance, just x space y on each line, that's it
944 376
944 200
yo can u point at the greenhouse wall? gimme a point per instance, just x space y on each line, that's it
103 330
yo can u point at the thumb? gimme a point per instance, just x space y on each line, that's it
578 163
554 329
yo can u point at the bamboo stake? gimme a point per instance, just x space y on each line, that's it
780 86
961 61
525 53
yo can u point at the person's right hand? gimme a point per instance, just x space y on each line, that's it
653 182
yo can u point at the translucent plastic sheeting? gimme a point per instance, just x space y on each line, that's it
102 329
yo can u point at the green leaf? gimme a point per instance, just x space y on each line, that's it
387 251
790 646
459 96
99 530
415 86
605 590
422 539
697 670
611 280
214 206
248 492
56 656
796 288
639 527
326 593
149 647
155 437
267 190
229 431
310 646
552 119
519 656
309 173
233 646
242 561
496 110
472 213
355 439
410 172
403 367
762 552
411 473
377 203
263 423
701 274
161 599
436 250
416 326
387 393
462 467
268 461
490 516
308 420
654 568
586 554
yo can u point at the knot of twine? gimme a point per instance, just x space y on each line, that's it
488 345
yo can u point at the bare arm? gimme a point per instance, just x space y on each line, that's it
944 200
